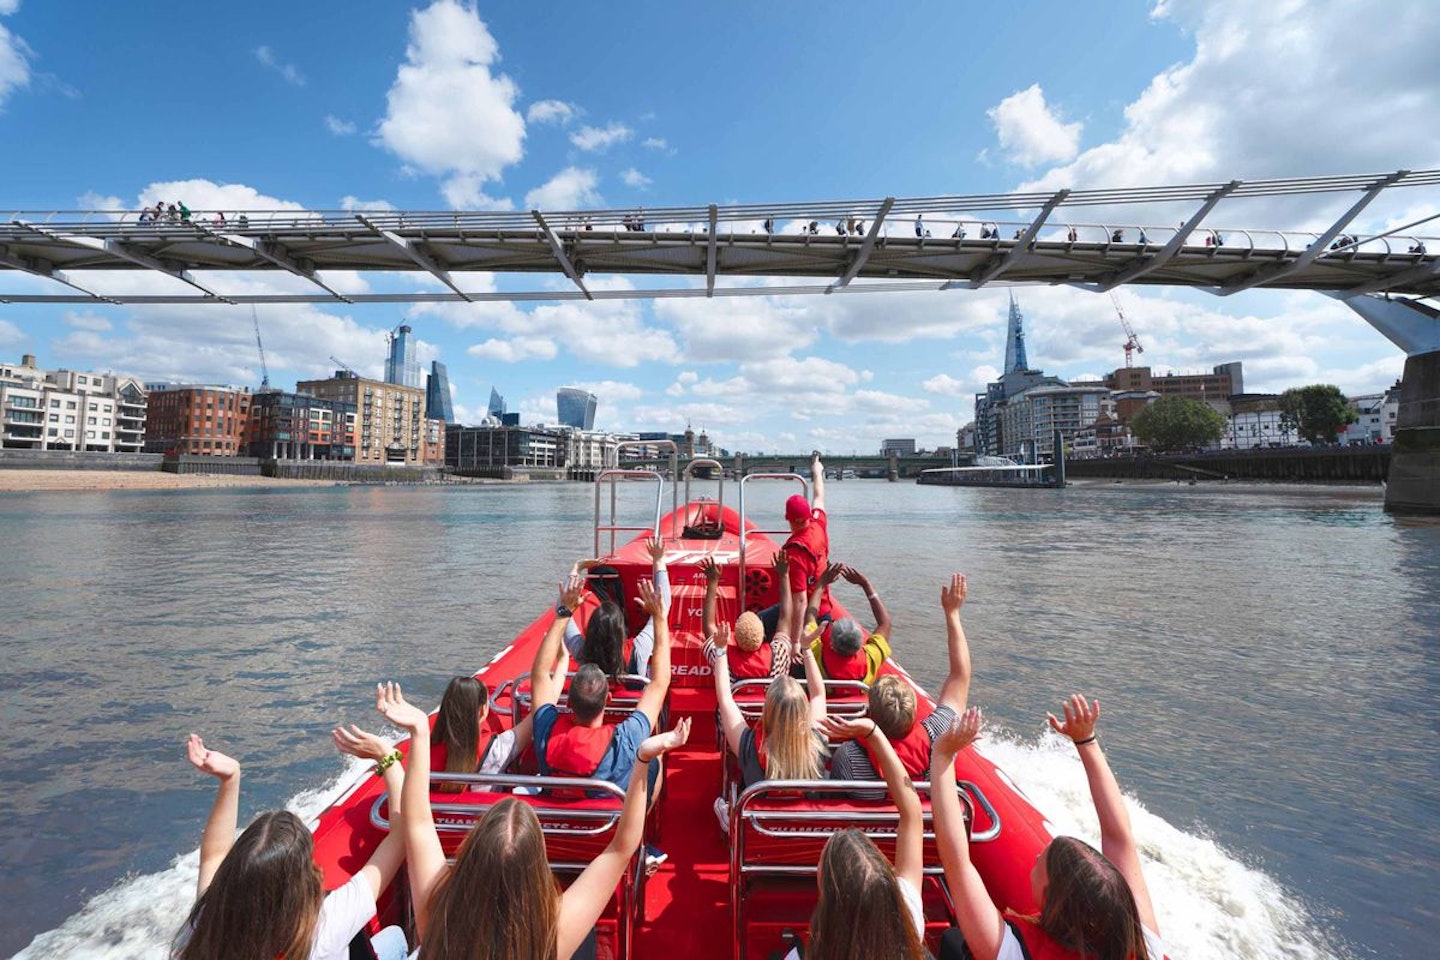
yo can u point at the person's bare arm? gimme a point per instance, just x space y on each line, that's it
827 576
423 853
732 721
877 607
652 699
545 687
955 693
385 862
980 921
910 837
814 684
584 900
1117 841
787 596
711 569
219 833
817 482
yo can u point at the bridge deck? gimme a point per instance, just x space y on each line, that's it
960 244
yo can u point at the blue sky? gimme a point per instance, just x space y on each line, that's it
349 105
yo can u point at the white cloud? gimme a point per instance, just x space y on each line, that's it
11 335
600 139
201 194
8 7
634 178
288 71
1030 131
611 391
551 111
341 128
447 114
515 349
353 203
570 189
15 57
464 191
86 321
947 386
656 143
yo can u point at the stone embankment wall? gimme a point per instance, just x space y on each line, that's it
77 460
343 471
1301 465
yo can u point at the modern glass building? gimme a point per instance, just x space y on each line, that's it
401 367
438 405
576 408
497 404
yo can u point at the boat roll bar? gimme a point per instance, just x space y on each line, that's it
853 700
616 474
719 478
804 488
604 818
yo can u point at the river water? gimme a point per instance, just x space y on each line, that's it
1266 657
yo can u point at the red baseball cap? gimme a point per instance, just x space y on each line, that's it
797 508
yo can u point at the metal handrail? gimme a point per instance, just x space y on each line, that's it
527 696
719 473
476 810
744 533
859 709
495 707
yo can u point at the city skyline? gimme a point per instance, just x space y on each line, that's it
485 106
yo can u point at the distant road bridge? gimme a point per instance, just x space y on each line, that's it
865 466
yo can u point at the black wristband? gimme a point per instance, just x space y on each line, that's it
1089 739
563 611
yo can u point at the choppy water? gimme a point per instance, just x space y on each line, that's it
1267 660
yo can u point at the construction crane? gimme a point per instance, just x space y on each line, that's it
342 365
1132 342
264 370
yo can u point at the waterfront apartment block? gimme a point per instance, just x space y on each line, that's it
489 448
70 410
297 426
197 419
391 424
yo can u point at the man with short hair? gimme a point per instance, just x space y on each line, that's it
581 743
893 705
841 648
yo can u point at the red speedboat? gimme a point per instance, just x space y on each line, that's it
748 894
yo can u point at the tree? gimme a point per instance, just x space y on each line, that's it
1318 412
1177 423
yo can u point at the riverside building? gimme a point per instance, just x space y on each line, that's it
197 419
298 426
70 410
391 423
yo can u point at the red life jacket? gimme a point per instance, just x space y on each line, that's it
813 540
838 667
750 666
913 750
574 750
1036 943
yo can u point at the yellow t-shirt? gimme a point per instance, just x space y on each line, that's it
876 649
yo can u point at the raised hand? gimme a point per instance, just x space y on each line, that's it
213 762
711 569
847 728
962 732
650 599
1080 718
832 573
656 548
358 743
952 596
393 707
571 590
781 560
652 747
854 576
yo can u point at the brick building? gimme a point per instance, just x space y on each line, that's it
391 425
204 419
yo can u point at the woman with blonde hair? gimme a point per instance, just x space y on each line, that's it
499 901
787 743
1094 904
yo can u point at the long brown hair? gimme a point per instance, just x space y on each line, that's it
861 913
457 725
791 752
264 900
499 901
604 643
1088 905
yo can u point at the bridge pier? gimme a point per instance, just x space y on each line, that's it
1414 484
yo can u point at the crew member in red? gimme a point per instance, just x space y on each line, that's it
1093 905
893 705
579 743
750 656
808 547
841 648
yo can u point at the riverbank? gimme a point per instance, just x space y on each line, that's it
29 481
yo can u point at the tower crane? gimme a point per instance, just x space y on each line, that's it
1132 342
264 370
342 364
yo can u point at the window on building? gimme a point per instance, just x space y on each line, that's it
69 419
69 404
55 403
54 431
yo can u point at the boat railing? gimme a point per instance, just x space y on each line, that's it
843 698
719 469
619 704
614 476
746 533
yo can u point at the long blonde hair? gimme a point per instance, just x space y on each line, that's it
499 901
791 752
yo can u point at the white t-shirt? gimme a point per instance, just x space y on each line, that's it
500 753
345 912
913 906
1010 945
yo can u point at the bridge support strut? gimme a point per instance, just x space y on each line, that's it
1414 484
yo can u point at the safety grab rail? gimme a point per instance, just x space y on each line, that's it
744 532
613 475
842 789
474 811
495 698
840 708
719 477
526 696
